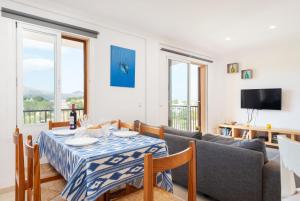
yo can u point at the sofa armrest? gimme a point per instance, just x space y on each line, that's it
271 181
229 173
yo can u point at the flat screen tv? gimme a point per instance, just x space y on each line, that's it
261 99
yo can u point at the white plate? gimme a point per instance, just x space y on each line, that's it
81 141
64 132
125 133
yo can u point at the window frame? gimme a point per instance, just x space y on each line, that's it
85 66
58 35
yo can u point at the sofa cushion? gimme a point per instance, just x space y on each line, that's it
194 134
255 144
218 139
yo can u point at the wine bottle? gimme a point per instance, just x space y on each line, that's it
73 118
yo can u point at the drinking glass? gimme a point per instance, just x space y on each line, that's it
84 121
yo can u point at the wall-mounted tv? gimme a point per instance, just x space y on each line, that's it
261 99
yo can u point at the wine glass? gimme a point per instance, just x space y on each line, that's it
84 121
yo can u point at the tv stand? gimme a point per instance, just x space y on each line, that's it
254 132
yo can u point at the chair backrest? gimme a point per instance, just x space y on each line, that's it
290 164
154 165
33 170
20 184
154 130
122 124
108 123
61 124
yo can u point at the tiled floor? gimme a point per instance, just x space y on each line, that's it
7 196
182 192
50 190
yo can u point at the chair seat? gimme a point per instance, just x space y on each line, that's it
295 197
158 195
48 171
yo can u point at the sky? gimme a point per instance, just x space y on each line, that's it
180 82
38 66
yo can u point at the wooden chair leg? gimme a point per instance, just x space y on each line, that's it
128 189
29 194
16 192
106 196
22 196
101 198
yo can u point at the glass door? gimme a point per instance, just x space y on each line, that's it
184 95
52 75
37 76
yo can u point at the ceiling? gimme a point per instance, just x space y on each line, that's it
203 24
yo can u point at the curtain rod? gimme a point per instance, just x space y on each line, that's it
186 55
33 19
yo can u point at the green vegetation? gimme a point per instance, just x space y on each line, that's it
37 103
78 101
40 103
179 118
179 102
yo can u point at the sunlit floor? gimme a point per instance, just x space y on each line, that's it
50 191
182 192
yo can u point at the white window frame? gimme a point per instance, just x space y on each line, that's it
57 70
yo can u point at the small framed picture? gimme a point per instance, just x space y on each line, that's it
247 74
232 68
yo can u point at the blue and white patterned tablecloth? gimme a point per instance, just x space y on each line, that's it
92 170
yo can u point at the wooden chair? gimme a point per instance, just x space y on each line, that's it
34 172
52 124
154 165
20 183
152 130
108 123
122 124
290 166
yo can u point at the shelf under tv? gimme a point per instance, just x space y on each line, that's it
236 133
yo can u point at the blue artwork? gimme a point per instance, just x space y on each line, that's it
122 67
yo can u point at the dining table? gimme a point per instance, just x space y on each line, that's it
90 171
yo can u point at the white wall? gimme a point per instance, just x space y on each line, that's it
142 102
216 94
115 102
275 66
7 101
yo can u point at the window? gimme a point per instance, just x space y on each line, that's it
52 75
184 112
73 76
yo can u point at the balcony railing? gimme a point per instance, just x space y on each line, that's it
184 117
43 116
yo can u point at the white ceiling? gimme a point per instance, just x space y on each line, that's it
204 24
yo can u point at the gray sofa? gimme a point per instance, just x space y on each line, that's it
227 173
